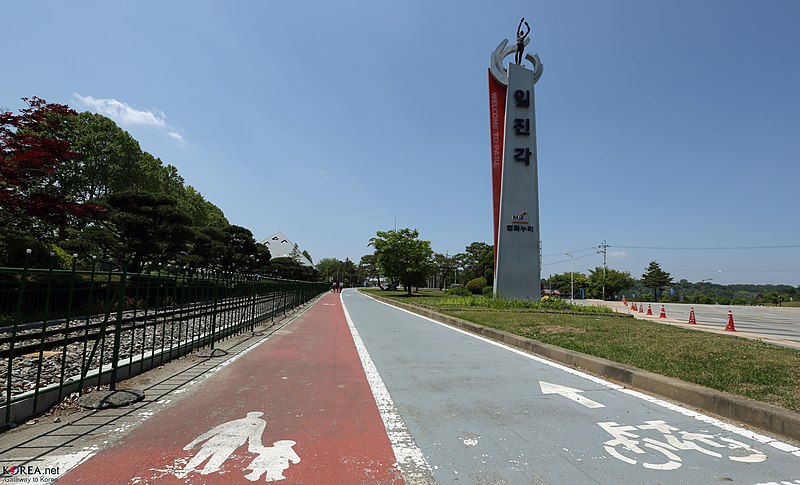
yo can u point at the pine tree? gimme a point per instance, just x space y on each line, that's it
656 278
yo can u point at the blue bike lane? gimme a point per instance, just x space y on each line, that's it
481 412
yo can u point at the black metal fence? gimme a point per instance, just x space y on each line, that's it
63 331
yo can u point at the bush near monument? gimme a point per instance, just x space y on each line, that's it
459 291
476 286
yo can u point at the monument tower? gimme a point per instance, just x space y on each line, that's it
515 181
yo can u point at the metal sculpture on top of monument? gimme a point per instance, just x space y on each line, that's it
515 181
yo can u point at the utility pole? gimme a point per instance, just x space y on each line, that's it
603 248
571 281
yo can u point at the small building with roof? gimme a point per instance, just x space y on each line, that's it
281 247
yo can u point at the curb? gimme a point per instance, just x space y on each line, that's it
764 416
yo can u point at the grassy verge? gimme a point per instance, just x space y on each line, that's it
745 367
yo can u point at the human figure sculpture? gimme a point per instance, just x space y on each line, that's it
521 40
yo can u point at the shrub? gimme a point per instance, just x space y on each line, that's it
476 286
459 291
488 291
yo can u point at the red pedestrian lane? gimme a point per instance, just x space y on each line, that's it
297 406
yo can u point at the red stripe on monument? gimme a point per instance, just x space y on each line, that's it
497 119
308 382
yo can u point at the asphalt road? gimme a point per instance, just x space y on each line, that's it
480 412
780 325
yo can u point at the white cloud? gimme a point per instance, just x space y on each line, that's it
618 254
126 115
176 136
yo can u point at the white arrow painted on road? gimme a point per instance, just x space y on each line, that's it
569 393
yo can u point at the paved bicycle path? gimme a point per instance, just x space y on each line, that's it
356 391
481 412
296 406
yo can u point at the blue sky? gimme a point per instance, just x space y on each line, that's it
662 126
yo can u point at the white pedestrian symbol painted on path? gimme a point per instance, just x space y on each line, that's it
220 442
273 460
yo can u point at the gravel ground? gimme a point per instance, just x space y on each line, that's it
163 334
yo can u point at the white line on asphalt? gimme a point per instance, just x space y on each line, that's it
412 462
767 440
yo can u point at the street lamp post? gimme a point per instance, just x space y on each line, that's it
571 281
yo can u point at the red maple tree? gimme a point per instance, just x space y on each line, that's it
30 151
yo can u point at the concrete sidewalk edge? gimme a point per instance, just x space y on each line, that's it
764 416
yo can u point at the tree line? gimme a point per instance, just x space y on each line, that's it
76 188
409 262
401 259
77 184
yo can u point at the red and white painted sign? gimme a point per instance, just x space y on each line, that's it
497 119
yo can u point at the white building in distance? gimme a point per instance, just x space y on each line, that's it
281 247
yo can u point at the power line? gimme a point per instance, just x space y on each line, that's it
710 248
592 248
567 260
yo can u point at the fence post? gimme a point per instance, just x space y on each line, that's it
192 299
284 299
101 336
214 312
66 326
118 326
44 331
146 311
136 281
181 306
253 307
17 317
163 319
90 302
273 295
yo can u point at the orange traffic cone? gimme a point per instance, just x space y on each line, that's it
730 327
663 314
649 310
624 301
641 308
691 317
633 306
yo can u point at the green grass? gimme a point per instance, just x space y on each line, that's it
440 300
745 367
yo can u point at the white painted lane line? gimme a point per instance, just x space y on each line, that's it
668 405
411 461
